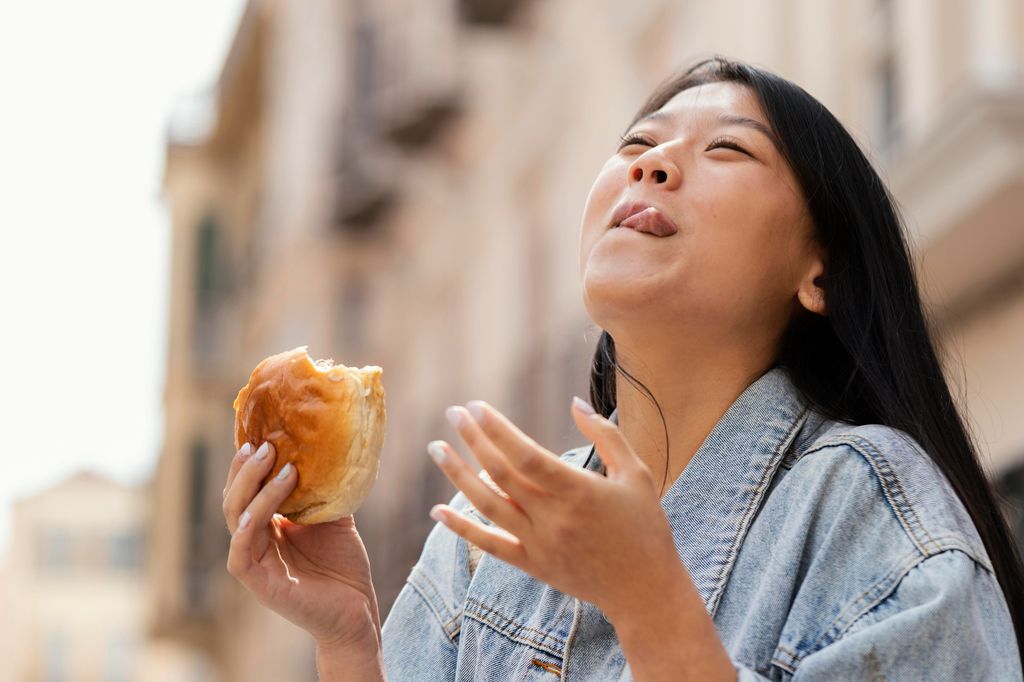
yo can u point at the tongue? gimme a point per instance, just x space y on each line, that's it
650 221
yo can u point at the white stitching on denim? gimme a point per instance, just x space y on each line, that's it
886 480
752 504
478 608
576 610
445 625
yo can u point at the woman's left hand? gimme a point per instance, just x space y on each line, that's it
589 536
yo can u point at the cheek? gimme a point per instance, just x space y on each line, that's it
747 250
601 200
604 193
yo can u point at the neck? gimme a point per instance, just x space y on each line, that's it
694 390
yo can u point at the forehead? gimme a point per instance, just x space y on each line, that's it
709 101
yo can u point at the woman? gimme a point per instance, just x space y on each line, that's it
820 512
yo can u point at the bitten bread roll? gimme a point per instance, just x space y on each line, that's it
327 419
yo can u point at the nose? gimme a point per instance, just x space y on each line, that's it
654 167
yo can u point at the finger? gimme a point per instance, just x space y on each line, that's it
247 483
616 453
255 521
236 463
494 541
499 468
241 565
501 510
488 430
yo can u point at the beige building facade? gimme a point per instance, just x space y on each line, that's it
401 182
74 594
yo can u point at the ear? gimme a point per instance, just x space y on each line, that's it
811 292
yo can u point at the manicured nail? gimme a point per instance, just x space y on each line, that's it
583 406
436 450
454 416
245 450
244 520
262 451
285 471
436 513
476 408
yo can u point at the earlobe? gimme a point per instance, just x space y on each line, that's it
812 292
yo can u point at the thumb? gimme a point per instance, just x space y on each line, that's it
611 444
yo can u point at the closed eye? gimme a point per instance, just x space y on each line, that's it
727 143
633 138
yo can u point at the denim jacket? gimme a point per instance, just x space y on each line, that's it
822 550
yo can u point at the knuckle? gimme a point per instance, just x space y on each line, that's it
578 501
234 565
496 470
647 479
563 532
487 507
531 463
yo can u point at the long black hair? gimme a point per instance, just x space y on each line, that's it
871 360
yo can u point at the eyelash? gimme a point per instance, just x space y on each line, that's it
720 141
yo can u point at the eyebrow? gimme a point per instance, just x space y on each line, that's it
733 119
727 119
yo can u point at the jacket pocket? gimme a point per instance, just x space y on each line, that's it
496 646
514 627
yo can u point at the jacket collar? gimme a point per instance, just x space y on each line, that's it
713 502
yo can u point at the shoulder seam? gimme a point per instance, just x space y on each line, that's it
895 495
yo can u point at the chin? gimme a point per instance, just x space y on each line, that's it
608 302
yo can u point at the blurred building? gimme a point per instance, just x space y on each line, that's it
400 183
74 592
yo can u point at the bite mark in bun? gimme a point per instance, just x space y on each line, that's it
329 420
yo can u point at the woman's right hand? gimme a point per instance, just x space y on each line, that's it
316 576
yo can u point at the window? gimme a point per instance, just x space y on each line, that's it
120 652
195 552
57 550
125 551
56 657
207 264
887 84
351 316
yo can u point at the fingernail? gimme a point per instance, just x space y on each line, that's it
245 451
476 408
436 450
285 471
262 451
583 406
453 416
244 520
436 514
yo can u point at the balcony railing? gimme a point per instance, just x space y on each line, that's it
489 12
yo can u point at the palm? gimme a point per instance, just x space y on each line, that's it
319 577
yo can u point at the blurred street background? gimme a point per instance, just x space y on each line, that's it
189 187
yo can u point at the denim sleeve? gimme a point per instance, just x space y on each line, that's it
947 619
420 634
416 646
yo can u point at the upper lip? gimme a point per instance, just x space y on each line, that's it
660 224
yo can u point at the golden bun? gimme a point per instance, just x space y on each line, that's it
328 420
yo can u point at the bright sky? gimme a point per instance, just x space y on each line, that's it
86 92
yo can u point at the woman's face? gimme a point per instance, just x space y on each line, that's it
708 164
